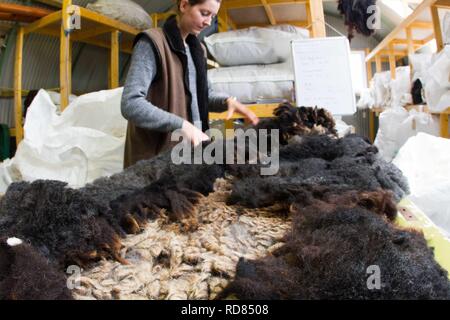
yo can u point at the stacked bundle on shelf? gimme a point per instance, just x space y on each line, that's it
429 86
430 73
126 11
255 62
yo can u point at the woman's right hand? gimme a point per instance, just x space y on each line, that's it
193 134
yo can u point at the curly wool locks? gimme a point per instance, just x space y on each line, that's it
327 256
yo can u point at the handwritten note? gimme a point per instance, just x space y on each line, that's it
323 75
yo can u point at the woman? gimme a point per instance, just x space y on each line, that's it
167 88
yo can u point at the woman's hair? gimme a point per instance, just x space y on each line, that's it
192 3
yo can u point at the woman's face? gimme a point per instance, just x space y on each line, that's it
194 19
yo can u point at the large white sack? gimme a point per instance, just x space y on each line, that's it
425 161
126 11
366 99
437 88
83 143
8 174
253 82
381 82
342 128
397 125
251 46
401 88
420 63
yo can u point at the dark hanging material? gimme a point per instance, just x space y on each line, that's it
357 13
416 92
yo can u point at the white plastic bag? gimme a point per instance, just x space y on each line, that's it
401 88
85 142
56 98
382 91
397 125
425 161
366 99
251 46
420 63
342 128
437 88
126 11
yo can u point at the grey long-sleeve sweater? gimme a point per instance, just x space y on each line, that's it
144 114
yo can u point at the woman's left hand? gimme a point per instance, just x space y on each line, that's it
236 106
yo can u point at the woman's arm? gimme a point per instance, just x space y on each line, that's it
134 104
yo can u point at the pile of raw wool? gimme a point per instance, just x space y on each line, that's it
166 263
163 231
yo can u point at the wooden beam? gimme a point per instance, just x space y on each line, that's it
41 23
9 93
368 67
155 19
64 63
392 65
269 12
444 4
52 3
24 10
308 19
398 53
443 121
411 48
318 19
437 28
79 35
223 19
378 64
421 25
405 23
18 86
386 59
15 17
409 40
405 41
114 61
